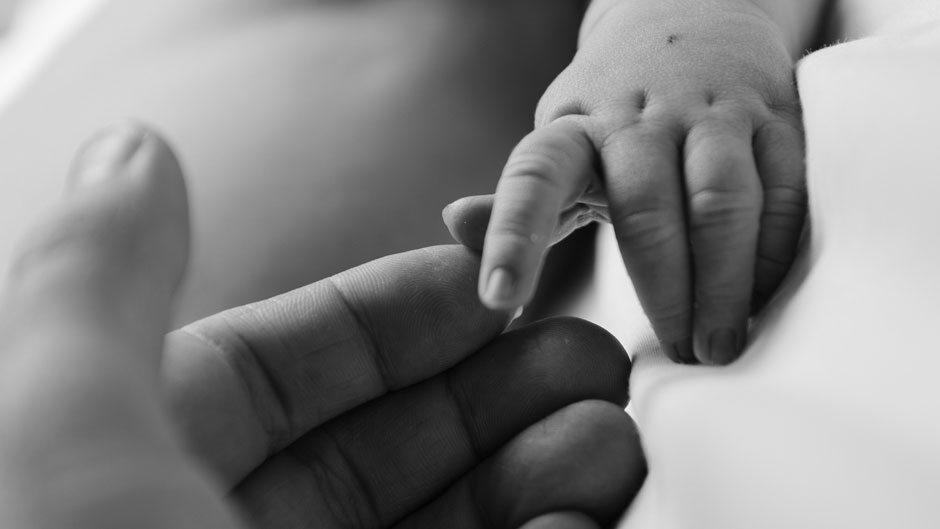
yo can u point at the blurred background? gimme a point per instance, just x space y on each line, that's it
315 135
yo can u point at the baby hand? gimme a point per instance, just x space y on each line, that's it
685 133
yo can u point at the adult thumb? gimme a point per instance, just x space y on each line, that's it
108 259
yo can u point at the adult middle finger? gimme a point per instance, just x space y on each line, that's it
378 463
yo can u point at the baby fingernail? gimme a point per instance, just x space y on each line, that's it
722 347
101 158
500 288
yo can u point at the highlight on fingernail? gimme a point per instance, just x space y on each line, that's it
500 289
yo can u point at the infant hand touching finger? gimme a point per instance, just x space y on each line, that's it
685 134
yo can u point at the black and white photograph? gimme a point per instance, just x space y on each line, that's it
469 264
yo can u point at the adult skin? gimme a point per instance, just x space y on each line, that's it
384 396
304 126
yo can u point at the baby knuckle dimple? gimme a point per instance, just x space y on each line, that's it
648 228
787 193
712 206
627 107
782 219
542 158
785 201
538 167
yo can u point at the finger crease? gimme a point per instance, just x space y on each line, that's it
483 515
258 382
379 362
463 413
352 503
773 261
539 174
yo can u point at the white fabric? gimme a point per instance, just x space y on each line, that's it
832 419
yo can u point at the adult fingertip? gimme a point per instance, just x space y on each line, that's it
102 158
134 178
562 520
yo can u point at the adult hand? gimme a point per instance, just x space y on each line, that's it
383 396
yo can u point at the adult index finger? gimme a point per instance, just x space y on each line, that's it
249 381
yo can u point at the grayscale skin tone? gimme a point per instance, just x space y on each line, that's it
385 396
303 125
679 122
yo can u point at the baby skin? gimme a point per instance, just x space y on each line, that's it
679 122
